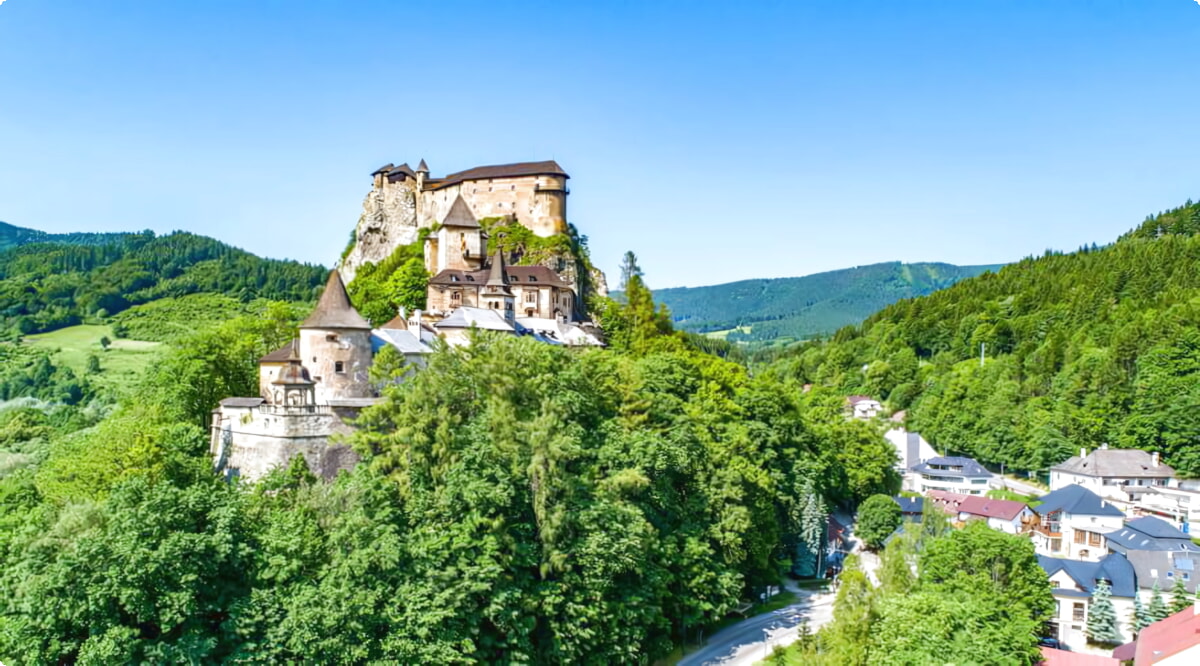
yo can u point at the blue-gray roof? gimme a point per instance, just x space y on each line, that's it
969 467
1150 533
1077 500
1114 568
910 504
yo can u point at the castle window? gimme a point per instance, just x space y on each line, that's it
530 297
454 278
339 367
456 296
532 278
470 278
332 337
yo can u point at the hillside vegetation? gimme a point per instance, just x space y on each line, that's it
1097 346
803 307
45 286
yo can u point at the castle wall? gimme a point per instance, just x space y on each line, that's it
267 372
257 440
321 351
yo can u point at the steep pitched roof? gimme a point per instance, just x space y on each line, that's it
496 276
910 504
482 318
460 215
333 309
403 340
1114 568
1075 499
1115 462
279 355
515 170
421 166
526 276
1168 637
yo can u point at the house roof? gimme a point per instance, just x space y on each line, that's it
403 340
1168 637
910 504
333 309
496 276
1150 533
1115 462
483 318
279 355
1114 568
460 215
977 505
1052 657
242 402
855 399
970 468
526 276
514 170
1075 499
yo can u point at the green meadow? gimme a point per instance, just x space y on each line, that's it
124 360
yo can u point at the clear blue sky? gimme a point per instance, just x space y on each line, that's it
718 140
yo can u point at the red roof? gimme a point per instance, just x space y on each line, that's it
1168 637
1052 657
978 505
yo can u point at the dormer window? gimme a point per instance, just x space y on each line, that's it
454 278
532 278
470 278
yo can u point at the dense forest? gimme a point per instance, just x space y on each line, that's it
1026 365
518 503
805 307
44 286
12 236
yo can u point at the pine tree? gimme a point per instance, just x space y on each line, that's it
1179 596
1158 608
1141 619
1102 617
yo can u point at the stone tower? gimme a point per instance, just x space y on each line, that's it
459 244
335 345
293 387
496 293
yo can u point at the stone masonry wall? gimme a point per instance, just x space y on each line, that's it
259 440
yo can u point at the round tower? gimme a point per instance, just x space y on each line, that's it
335 345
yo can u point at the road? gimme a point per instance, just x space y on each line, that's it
752 640
1020 486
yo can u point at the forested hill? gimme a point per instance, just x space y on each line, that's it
803 307
1097 346
48 285
12 236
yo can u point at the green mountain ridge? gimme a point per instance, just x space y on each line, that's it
13 236
808 306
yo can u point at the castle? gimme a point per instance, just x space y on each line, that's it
311 389
403 200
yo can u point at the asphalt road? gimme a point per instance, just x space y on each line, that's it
752 639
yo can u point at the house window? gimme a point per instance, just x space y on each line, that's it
1078 614
1170 574
1080 536
1093 538
339 367
1055 545
456 296
1186 575
531 297
454 278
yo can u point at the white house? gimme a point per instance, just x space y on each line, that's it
1073 522
864 407
911 448
1073 583
951 474
1122 476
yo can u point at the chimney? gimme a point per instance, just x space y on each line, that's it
1154 458
403 314
1082 452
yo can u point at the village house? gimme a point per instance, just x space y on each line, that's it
864 407
951 474
1121 476
1159 553
1072 522
1174 641
1072 583
1009 516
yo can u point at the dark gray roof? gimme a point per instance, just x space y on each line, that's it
969 467
242 402
1150 533
460 215
496 276
421 166
1075 499
1115 462
1113 567
279 355
517 170
333 309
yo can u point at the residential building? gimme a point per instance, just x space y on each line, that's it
911 448
864 407
1118 475
951 474
1174 641
1072 522
1159 553
1074 581
1178 504
1007 516
911 507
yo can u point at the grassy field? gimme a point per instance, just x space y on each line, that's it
721 335
122 362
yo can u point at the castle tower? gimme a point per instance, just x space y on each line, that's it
422 174
496 294
335 344
293 387
459 243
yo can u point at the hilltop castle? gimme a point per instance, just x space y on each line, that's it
403 200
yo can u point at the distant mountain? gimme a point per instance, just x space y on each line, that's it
13 236
803 307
